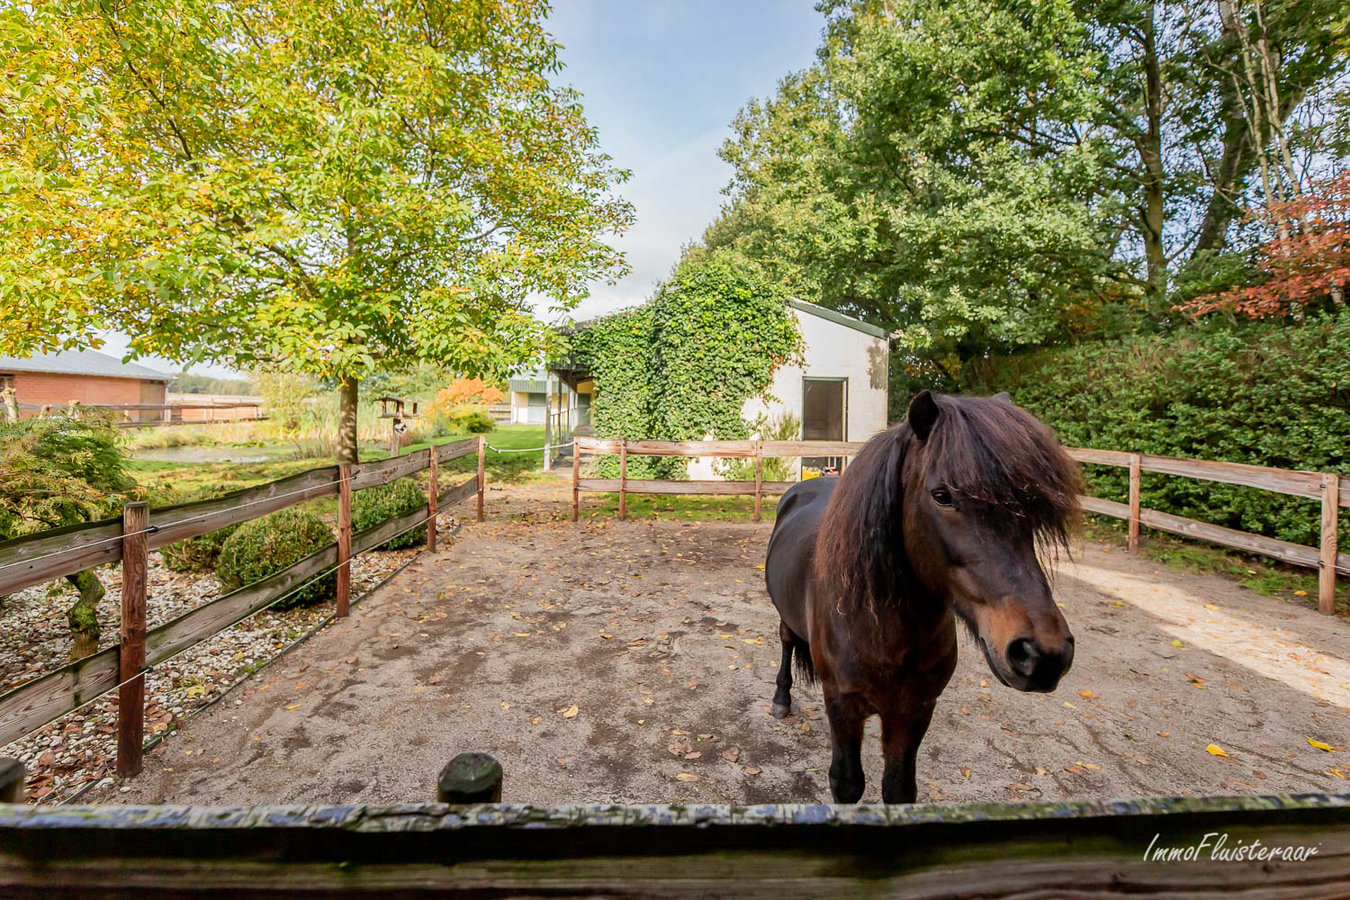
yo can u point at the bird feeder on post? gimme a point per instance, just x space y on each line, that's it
398 409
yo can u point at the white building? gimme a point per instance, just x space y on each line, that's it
839 393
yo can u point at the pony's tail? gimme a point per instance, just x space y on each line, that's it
802 664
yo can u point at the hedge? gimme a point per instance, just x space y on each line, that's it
374 505
265 546
1265 394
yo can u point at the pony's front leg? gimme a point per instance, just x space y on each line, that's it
902 731
847 715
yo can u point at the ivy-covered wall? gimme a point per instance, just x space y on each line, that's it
682 366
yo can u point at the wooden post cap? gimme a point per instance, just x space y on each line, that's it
11 780
470 778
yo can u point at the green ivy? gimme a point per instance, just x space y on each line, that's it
1263 394
681 367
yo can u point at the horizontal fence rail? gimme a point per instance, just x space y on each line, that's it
1330 489
1076 848
756 450
42 557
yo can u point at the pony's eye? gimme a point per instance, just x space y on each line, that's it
942 496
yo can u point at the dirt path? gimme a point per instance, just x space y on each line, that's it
634 662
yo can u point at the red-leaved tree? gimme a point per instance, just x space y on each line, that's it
1305 262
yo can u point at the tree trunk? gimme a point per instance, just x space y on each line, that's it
346 448
83 614
1151 155
10 399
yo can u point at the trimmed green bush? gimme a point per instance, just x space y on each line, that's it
374 505
1258 393
196 554
476 422
265 546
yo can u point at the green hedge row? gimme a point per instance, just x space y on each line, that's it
1264 394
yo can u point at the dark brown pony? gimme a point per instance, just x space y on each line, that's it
945 516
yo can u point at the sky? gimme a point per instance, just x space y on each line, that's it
661 82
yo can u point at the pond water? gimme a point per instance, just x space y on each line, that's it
216 454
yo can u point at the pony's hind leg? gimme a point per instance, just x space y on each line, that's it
782 698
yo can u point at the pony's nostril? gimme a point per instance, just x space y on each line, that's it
1022 656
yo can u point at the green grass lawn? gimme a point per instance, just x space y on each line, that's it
679 507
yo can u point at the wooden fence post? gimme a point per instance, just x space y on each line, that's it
1134 502
395 440
1326 575
759 477
623 479
12 778
576 480
433 487
344 540
131 650
470 778
482 473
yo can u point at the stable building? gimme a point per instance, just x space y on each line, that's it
838 393
86 377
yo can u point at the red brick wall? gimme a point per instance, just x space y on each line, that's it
58 390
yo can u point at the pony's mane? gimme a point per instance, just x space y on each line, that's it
983 448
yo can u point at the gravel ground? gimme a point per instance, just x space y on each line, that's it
633 662
79 748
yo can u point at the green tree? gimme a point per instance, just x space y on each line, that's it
61 470
926 173
987 175
329 189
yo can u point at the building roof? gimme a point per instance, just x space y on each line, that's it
837 318
80 362
829 315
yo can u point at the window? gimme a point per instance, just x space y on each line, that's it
6 382
824 418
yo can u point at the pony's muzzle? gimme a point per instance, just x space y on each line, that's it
1036 667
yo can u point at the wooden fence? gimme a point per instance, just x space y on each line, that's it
148 415
38 558
1272 846
1326 487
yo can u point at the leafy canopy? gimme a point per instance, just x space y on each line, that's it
328 188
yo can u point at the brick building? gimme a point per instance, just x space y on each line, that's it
82 376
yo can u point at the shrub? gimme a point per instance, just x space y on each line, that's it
197 554
476 421
1263 394
374 505
265 546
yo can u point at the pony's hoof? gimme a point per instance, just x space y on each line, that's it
781 711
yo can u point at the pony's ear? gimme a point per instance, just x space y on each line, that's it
1003 395
923 413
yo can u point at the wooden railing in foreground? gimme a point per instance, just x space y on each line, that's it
48 555
1326 487
1271 846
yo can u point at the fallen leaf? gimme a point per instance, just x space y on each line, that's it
1041 770
687 776
1319 745
697 754
1215 750
1087 695
1178 644
732 754
965 771
570 712
752 770
1075 770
